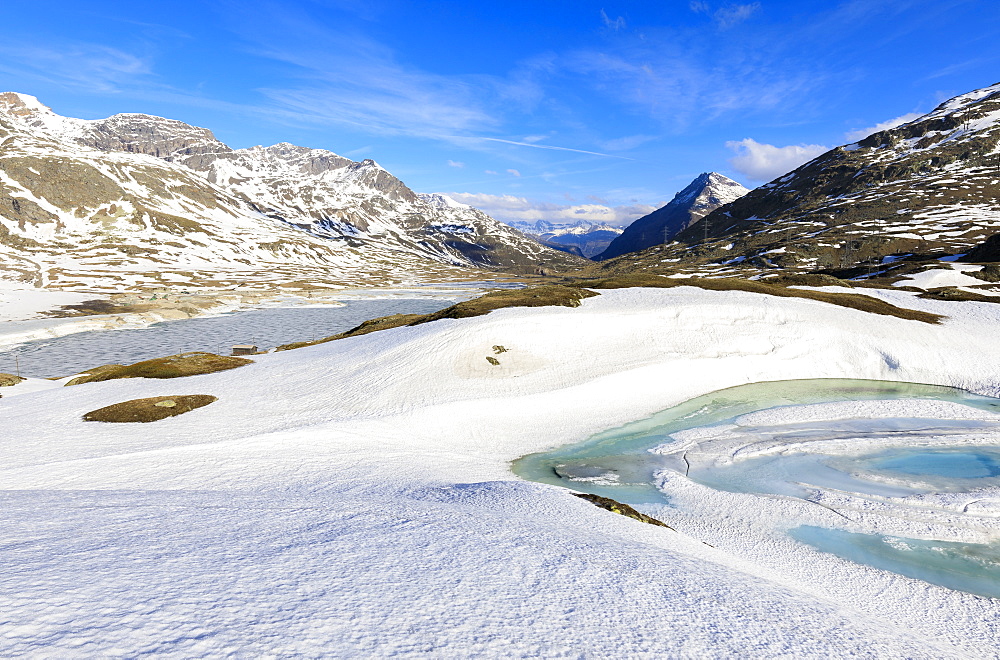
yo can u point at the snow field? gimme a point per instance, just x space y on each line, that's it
354 498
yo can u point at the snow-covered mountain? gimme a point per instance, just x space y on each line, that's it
587 238
925 189
136 199
706 193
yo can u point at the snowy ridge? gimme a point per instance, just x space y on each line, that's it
583 237
549 229
307 212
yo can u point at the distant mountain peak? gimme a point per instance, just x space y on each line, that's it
707 192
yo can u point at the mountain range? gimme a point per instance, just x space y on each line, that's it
583 238
139 200
924 189
135 200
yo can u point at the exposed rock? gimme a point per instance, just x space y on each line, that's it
621 509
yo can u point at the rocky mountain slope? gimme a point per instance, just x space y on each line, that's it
587 239
702 196
139 200
928 187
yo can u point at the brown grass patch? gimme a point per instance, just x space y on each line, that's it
850 300
809 279
539 296
173 366
546 295
6 380
150 409
956 294
381 323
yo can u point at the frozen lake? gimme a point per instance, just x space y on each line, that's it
970 567
925 456
266 327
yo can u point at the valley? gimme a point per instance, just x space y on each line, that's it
270 401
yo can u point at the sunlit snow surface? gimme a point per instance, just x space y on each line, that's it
914 451
355 499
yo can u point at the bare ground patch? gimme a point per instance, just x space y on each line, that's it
150 409
173 366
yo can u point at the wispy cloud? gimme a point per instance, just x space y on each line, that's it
550 147
727 15
730 15
511 208
862 133
360 151
612 24
681 79
455 163
957 67
764 162
513 172
340 76
344 78
91 67
628 142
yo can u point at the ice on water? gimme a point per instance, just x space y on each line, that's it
267 328
903 447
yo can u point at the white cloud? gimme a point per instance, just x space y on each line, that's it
513 173
699 7
493 172
731 15
510 208
455 163
94 67
862 133
627 142
467 140
616 24
365 150
763 162
342 76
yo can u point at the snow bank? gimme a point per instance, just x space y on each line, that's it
355 496
938 277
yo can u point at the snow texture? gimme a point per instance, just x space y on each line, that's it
355 498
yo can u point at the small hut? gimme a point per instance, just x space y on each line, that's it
244 349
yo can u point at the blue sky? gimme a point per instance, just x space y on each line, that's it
556 110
